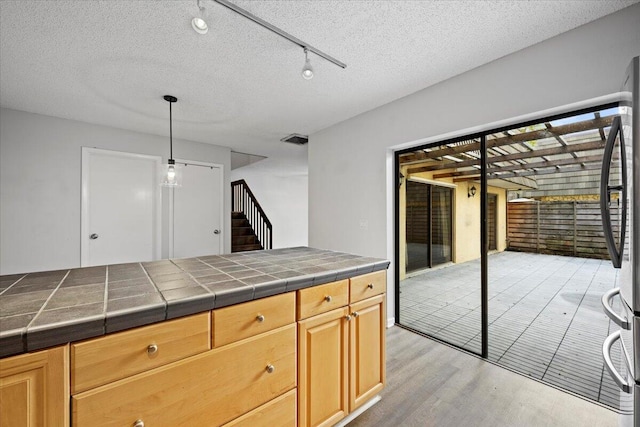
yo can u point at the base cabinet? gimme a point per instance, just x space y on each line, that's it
208 389
367 351
341 354
34 389
323 363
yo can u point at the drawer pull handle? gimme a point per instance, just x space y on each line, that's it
260 318
151 350
270 369
138 423
347 317
328 298
355 314
370 286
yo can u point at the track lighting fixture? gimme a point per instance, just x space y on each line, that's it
307 70
198 23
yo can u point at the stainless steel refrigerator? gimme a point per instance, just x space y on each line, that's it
620 205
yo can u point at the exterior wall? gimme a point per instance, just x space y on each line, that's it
40 180
351 206
466 219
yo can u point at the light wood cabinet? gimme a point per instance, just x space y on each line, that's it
252 318
209 389
341 354
106 359
367 350
322 298
323 363
34 389
280 412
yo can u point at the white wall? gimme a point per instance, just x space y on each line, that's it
350 168
40 185
281 187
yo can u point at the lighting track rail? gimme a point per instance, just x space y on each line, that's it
278 31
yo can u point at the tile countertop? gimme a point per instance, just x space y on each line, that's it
39 310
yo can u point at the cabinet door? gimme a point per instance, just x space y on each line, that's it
367 350
34 389
323 363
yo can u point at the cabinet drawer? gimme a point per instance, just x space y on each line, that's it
281 411
252 318
102 360
367 285
323 298
208 389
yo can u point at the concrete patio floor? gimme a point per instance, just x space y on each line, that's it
545 317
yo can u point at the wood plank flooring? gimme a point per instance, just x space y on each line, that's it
545 317
432 384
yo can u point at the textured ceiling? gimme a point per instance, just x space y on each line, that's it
110 62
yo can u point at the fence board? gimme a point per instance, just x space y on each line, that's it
559 228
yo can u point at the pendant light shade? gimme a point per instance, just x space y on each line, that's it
307 70
171 173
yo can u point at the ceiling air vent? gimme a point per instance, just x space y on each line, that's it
296 138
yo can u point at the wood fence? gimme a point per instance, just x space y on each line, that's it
558 228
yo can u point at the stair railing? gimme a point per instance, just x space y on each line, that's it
243 200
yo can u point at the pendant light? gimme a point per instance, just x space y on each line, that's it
171 174
307 70
199 23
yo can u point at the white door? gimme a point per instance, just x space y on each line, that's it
120 220
197 211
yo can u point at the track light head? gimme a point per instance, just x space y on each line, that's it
198 23
307 70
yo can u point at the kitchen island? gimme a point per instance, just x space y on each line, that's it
242 338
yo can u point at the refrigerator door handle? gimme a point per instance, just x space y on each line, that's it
605 192
606 353
607 298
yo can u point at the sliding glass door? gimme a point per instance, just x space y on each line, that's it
439 244
428 225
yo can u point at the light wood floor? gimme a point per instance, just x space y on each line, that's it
431 384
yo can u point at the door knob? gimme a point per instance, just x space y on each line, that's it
216 231
93 236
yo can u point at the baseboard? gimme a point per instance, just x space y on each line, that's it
390 322
352 416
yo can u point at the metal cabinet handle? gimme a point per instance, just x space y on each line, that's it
138 423
608 309
260 318
152 349
606 354
93 236
270 368
347 317
370 286
328 298
216 231
355 314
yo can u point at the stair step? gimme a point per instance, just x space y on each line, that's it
244 240
240 223
244 248
242 231
237 215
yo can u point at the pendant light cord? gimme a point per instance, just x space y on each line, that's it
170 132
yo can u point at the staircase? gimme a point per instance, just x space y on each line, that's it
243 238
250 227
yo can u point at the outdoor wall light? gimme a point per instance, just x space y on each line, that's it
471 192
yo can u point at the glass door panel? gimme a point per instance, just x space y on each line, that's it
440 246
